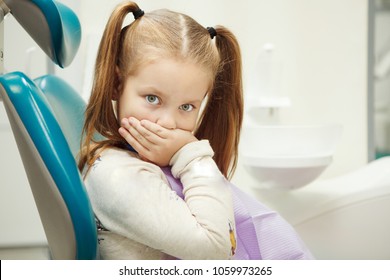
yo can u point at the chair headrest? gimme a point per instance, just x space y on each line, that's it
53 26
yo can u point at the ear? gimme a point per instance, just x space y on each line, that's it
119 86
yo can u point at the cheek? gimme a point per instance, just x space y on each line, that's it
188 124
127 105
123 111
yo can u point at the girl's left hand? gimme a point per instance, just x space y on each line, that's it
152 141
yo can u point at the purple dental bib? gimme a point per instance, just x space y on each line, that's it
261 233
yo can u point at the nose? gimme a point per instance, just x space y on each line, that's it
167 120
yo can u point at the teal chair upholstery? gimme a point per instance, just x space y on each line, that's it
45 149
68 107
53 26
46 117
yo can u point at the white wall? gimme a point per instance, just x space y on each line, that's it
322 45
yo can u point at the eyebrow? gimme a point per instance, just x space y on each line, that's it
153 89
160 93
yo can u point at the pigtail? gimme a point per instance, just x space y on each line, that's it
99 114
222 118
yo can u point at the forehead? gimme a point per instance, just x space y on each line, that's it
174 77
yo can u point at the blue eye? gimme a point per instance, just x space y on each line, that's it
187 107
152 99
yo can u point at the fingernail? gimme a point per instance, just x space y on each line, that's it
123 121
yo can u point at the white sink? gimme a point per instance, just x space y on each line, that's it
288 157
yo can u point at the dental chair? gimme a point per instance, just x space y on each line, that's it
46 116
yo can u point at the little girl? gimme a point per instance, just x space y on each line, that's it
161 136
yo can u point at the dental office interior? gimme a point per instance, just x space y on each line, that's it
315 143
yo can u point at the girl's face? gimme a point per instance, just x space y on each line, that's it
167 92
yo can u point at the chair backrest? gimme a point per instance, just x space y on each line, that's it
68 107
47 148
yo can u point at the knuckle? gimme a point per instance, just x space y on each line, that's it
139 137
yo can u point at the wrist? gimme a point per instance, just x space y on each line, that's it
188 153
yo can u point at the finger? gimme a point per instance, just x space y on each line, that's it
155 128
130 126
145 137
143 132
133 141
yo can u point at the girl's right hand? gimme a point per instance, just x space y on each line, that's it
152 141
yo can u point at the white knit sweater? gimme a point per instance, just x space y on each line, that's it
147 220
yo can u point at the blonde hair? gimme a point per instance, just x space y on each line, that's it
158 34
